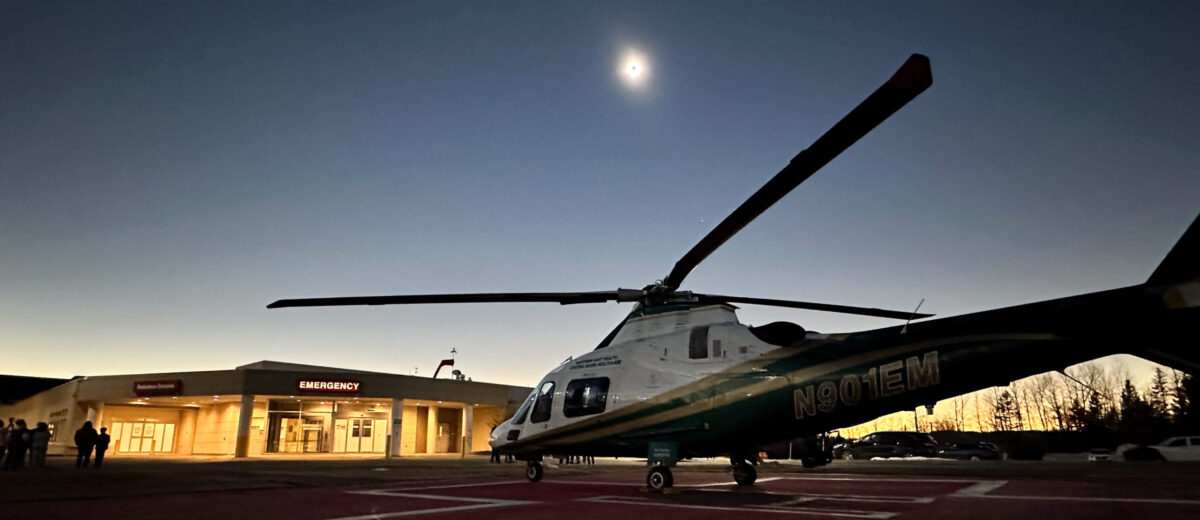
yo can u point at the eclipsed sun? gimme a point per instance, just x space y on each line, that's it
634 69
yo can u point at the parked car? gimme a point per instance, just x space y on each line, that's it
971 451
811 451
1099 454
888 444
1172 449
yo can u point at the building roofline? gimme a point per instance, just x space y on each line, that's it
280 366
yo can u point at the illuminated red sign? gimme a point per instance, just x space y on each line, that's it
321 385
151 388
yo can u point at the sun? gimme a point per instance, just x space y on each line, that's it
633 68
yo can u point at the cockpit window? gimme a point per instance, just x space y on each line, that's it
585 396
519 418
543 403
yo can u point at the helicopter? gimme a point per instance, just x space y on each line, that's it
680 377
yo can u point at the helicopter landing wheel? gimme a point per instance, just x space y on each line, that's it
533 471
659 479
744 474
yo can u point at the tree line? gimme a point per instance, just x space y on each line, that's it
1094 397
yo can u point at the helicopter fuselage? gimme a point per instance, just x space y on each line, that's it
701 380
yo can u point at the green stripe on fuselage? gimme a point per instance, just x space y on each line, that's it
777 370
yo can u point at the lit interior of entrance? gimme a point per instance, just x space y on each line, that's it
189 425
296 426
143 437
327 426
432 428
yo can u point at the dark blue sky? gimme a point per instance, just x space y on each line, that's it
169 168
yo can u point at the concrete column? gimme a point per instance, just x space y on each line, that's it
431 431
468 428
242 448
186 432
93 414
395 427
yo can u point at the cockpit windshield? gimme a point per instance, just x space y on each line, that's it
519 418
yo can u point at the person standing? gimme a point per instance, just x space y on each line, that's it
101 446
39 439
17 442
85 440
495 452
4 438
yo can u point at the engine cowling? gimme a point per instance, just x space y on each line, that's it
781 333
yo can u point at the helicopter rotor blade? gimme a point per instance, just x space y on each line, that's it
843 309
910 80
564 298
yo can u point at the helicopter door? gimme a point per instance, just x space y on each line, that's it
543 403
698 343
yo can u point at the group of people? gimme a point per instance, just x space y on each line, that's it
562 459
86 439
576 459
508 457
18 443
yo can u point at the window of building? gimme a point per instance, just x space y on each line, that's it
698 343
585 396
543 403
56 426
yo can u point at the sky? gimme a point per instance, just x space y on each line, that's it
167 169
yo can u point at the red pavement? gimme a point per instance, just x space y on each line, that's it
619 496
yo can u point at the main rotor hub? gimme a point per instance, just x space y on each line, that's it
659 294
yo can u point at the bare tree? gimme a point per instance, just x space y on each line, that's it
1038 404
959 404
978 411
1017 404
943 424
1056 393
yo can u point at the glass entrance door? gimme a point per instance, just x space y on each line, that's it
359 435
299 434
312 434
295 426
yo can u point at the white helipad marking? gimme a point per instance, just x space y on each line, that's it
590 483
444 486
872 478
979 489
843 513
476 503
727 483
813 497
1180 501
982 489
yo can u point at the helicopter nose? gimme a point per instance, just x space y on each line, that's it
496 439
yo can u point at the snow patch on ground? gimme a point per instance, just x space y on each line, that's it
914 459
